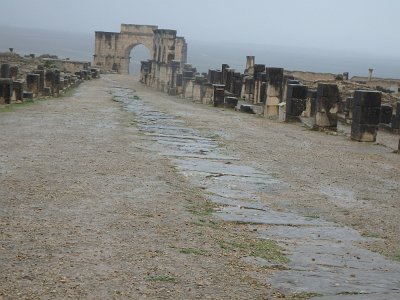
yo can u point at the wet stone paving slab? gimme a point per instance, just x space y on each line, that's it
324 258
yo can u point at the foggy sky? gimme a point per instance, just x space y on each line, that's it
362 26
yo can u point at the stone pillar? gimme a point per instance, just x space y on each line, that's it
207 92
274 91
218 95
18 90
396 117
249 65
6 86
173 66
5 71
345 75
288 79
248 88
327 105
49 79
211 76
311 105
57 79
366 112
41 80
348 108
296 99
224 68
32 84
370 74
258 86
385 116
14 72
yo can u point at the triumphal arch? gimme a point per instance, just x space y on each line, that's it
112 49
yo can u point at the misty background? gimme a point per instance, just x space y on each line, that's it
309 35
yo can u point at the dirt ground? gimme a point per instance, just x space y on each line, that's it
89 211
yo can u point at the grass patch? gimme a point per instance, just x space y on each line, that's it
13 106
311 216
370 235
192 251
68 92
202 209
351 293
266 249
162 278
396 256
303 296
210 223
136 97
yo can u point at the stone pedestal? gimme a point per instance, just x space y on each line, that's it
327 106
366 113
273 92
6 85
230 102
32 84
50 79
218 95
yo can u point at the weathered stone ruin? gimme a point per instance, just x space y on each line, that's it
268 91
366 114
28 78
327 105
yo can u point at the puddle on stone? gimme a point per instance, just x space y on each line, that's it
324 257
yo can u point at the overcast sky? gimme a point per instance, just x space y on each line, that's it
364 26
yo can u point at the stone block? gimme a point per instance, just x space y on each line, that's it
6 86
246 108
230 102
218 95
5 71
386 114
274 75
367 98
363 132
27 95
327 105
32 84
18 90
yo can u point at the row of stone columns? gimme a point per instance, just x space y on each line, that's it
279 95
37 83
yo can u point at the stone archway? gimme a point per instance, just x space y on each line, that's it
112 49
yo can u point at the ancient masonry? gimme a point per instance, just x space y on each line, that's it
112 49
260 90
49 79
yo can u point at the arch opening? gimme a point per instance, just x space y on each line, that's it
137 54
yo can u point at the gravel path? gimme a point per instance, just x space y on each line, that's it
89 209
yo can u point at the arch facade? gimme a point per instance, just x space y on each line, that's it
112 49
